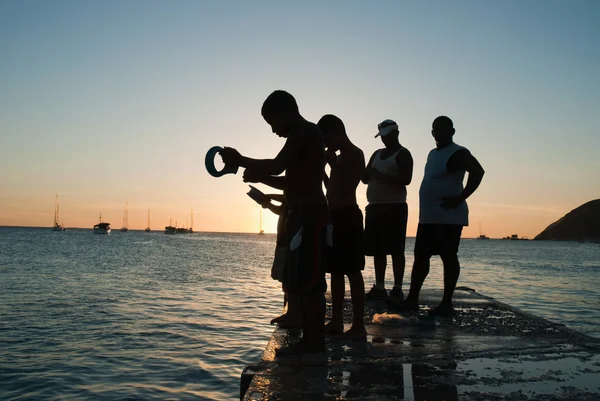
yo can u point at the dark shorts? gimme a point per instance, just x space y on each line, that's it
437 239
348 253
385 228
304 270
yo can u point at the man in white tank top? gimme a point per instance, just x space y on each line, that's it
443 212
388 173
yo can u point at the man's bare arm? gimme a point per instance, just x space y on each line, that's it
367 173
275 182
465 161
276 197
476 173
251 175
274 208
277 165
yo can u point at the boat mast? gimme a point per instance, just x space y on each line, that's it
192 217
261 230
148 218
56 210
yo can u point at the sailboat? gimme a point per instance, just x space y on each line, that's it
482 236
124 229
191 229
57 226
261 231
148 227
102 227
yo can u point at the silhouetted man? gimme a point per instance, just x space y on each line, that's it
303 160
388 173
347 257
443 212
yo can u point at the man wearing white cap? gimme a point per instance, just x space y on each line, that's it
388 173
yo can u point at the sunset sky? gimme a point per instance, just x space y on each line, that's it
110 102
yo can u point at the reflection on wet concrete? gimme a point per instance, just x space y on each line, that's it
488 351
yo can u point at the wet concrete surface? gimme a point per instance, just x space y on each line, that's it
487 351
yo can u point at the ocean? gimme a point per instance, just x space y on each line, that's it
162 317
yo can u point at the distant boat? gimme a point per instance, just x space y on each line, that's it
57 226
125 228
482 236
148 227
170 229
515 237
261 231
102 227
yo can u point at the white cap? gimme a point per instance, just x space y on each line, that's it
385 127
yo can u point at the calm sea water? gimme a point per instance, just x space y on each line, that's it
151 316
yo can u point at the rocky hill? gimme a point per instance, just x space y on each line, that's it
581 224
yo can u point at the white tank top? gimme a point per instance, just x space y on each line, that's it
379 191
439 183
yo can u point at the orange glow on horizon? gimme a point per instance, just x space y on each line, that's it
242 215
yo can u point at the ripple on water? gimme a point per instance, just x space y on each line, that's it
149 316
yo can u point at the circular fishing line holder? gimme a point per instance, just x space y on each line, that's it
209 163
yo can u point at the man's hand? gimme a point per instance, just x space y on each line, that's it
230 156
452 202
251 175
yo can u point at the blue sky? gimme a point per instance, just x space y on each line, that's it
108 102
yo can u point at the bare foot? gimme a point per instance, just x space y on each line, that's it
277 319
289 322
334 328
356 333
312 359
442 310
293 349
409 306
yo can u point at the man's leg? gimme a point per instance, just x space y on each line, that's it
380 262
450 242
372 246
451 274
396 295
301 346
336 324
417 278
357 292
314 307
378 290
399 264
293 316
398 220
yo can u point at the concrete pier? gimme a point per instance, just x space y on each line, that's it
487 351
